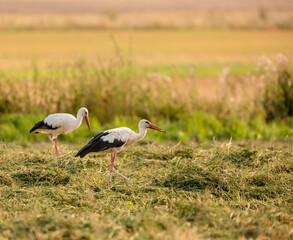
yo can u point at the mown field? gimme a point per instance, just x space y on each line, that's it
220 190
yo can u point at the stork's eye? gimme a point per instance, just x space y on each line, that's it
147 122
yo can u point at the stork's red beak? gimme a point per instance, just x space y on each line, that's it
152 126
87 122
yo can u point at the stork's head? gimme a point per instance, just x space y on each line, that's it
84 113
147 124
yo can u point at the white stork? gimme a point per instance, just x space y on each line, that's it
59 123
114 140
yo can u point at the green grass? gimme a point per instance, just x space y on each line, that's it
199 126
215 190
197 70
139 71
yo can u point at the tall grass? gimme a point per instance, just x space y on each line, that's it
116 96
106 91
119 88
278 91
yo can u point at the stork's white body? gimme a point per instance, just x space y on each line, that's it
114 140
60 123
123 134
63 122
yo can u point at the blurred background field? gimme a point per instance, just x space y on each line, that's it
201 70
145 47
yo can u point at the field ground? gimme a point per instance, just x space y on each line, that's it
220 190
144 47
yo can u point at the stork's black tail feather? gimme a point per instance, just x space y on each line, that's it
37 126
42 125
84 151
98 144
89 146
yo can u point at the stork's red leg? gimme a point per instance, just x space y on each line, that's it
112 165
113 155
55 144
49 136
121 175
56 148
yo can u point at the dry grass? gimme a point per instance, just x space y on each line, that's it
223 95
95 88
224 190
97 85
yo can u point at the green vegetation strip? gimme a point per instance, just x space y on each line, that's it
138 71
224 190
199 127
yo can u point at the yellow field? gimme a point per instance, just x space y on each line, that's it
20 48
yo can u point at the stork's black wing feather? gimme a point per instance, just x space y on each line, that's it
42 125
97 144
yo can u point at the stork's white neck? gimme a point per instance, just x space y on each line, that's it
142 133
78 120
